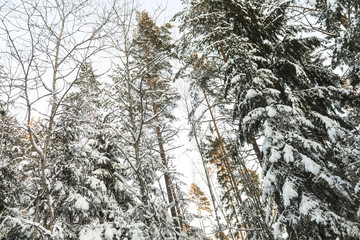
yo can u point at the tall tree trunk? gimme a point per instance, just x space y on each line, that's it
174 209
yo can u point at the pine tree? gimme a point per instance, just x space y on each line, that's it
202 203
140 83
152 52
285 94
248 184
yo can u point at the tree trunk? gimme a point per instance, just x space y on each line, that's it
174 209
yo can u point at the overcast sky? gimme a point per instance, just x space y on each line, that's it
170 8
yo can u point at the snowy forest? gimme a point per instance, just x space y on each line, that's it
100 100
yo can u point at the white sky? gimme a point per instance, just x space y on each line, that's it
170 7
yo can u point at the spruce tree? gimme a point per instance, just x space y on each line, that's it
340 19
286 95
91 193
16 202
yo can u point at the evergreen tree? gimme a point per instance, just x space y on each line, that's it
210 36
91 193
285 94
152 51
16 204
339 19
138 103
197 196
45 44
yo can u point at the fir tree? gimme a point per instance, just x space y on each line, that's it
285 94
90 190
16 204
338 22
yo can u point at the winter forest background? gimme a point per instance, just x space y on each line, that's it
102 106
